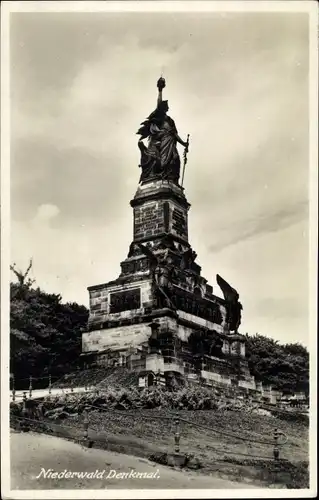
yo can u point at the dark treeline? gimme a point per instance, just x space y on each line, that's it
284 366
45 337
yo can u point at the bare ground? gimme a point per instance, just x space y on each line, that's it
48 452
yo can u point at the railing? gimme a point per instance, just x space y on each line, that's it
277 442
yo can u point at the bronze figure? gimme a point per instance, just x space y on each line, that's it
162 270
233 306
160 159
188 258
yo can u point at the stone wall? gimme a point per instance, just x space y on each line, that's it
184 332
159 207
154 363
98 301
101 301
216 377
178 225
154 218
123 337
149 220
247 384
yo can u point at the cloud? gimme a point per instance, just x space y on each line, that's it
280 307
264 223
46 212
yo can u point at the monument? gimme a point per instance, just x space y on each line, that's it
160 317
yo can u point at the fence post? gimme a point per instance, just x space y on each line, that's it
13 390
86 424
276 449
24 400
177 435
277 444
30 387
50 383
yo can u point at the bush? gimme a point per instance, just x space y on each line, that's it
194 398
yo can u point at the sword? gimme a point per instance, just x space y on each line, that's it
185 158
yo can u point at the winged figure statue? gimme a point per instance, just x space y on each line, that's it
233 306
161 270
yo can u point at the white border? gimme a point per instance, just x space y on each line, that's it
163 6
313 240
309 7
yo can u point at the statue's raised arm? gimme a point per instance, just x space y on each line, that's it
161 84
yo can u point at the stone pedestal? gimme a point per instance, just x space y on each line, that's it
160 208
161 283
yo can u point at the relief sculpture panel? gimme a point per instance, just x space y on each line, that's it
125 300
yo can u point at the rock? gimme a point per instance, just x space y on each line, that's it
120 406
50 413
176 460
194 463
62 415
99 401
159 458
73 415
57 413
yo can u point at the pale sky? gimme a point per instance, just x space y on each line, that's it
237 83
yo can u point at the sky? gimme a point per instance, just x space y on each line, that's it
81 83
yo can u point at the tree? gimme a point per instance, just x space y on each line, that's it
284 366
45 334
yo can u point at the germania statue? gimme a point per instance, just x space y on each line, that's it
160 158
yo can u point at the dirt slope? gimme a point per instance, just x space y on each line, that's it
58 454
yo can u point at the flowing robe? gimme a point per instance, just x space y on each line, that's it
160 158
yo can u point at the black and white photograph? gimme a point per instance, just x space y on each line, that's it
159 177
